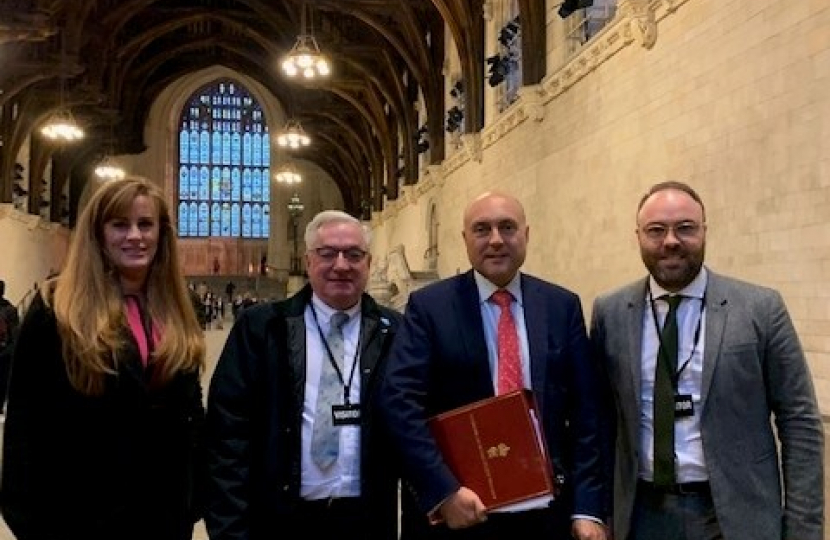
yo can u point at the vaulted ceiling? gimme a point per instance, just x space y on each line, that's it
113 58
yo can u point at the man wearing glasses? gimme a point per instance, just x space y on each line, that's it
292 438
699 365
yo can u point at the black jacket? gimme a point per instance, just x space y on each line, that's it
255 406
121 465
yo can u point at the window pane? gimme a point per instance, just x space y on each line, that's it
224 158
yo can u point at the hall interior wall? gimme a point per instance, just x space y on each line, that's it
732 98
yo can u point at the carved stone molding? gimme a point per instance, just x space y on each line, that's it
390 211
454 161
642 24
636 22
606 44
472 145
532 100
432 177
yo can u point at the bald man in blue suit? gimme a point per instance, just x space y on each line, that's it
445 356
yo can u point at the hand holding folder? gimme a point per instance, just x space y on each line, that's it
495 447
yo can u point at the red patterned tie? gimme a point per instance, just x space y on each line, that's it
510 359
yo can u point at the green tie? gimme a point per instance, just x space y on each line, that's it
664 397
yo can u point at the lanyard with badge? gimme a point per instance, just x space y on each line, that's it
347 414
683 404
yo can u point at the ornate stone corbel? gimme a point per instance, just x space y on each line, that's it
531 98
472 145
642 23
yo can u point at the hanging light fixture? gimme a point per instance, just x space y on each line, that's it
109 169
288 175
293 135
305 57
61 126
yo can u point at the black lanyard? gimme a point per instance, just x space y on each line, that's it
346 384
675 377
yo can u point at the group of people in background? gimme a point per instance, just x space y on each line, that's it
212 308
685 411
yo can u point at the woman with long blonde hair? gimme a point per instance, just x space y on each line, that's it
103 428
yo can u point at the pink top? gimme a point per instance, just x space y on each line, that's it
134 318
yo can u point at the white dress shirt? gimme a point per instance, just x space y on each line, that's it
689 459
490 313
343 478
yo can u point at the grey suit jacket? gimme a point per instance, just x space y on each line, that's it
754 370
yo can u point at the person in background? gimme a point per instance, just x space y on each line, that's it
718 432
9 322
449 353
104 419
293 438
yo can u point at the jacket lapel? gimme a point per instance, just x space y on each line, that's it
716 315
466 310
295 337
632 319
536 324
372 337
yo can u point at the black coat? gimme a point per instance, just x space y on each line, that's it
254 423
121 465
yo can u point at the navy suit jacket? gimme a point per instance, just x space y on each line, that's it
439 361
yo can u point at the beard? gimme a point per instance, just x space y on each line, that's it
674 268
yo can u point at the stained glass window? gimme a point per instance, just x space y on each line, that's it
224 164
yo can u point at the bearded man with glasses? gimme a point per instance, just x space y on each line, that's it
292 437
699 367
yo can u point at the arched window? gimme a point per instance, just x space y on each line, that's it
224 164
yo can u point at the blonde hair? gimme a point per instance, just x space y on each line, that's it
88 302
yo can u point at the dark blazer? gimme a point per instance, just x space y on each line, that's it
126 464
753 370
439 362
255 406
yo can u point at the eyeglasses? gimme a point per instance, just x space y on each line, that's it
329 254
685 230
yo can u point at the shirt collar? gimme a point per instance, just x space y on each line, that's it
325 311
486 288
695 289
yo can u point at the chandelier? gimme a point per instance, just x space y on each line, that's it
305 57
61 126
293 135
108 169
288 175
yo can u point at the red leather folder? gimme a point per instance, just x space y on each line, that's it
495 447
